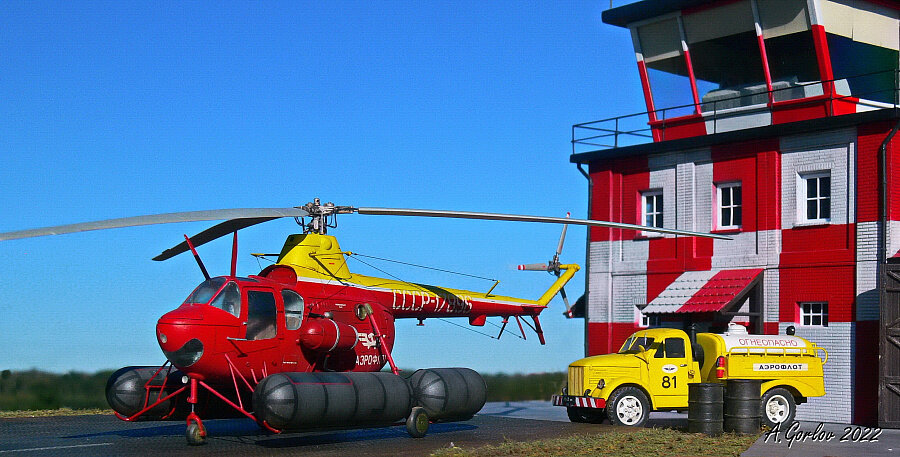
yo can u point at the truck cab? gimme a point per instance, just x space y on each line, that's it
652 370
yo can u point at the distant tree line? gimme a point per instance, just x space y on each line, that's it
35 390
518 387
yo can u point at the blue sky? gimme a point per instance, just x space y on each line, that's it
114 109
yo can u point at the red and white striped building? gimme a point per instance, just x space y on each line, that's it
771 121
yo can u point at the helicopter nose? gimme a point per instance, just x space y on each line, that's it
186 355
180 338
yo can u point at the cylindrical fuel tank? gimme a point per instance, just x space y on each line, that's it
126 391
291 401
327 335
449 394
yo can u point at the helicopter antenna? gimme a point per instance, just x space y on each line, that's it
234 255
197 257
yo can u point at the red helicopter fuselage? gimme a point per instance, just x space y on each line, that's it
309 313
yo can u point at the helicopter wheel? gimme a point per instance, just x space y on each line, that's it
417 422
195 434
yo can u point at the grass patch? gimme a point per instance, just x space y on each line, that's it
641 442
54 412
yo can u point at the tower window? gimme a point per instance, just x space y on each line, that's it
729 203
652 208
814 314
814 197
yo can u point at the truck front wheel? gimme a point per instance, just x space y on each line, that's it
589 415
778 406
628 406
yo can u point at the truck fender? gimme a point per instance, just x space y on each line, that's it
625 382
799 389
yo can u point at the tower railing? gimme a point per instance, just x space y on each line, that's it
715 111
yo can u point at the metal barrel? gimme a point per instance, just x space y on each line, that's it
742 405
449 394
705 408
314 400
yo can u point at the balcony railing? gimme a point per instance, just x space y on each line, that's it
719 109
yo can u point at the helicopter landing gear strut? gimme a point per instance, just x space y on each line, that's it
195 432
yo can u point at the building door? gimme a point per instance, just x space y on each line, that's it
889 349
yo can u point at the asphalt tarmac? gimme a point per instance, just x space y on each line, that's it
106 435
497 422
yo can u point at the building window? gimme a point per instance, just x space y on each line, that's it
814 314
648 320
729 202
814 202
652 208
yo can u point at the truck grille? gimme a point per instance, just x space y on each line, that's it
576 380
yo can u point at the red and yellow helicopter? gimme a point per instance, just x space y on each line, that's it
302 344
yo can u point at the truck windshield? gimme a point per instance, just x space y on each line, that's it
632 345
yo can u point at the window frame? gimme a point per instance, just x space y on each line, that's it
647 320
289 312
803 197
806 311
720 207
658 212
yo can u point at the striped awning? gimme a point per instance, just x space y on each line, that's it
704 291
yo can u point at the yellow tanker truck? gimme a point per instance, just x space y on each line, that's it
652 370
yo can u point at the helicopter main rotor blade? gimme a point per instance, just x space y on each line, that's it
522 218
212 233
167 218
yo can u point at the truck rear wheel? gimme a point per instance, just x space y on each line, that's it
588 415
778 406
628 406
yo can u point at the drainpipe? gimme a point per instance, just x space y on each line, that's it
587 256
882 152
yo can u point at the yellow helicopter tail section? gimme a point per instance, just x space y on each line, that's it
320 258
569 271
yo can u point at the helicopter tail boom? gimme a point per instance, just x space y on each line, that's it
557 286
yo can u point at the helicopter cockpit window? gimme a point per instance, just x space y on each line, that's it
205 291
260 315
293 309
229 299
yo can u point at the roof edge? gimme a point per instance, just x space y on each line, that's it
633 12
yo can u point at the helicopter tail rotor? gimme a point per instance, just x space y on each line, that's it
554 267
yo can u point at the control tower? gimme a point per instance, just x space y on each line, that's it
774 122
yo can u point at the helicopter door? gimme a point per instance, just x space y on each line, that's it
261 315
261 333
